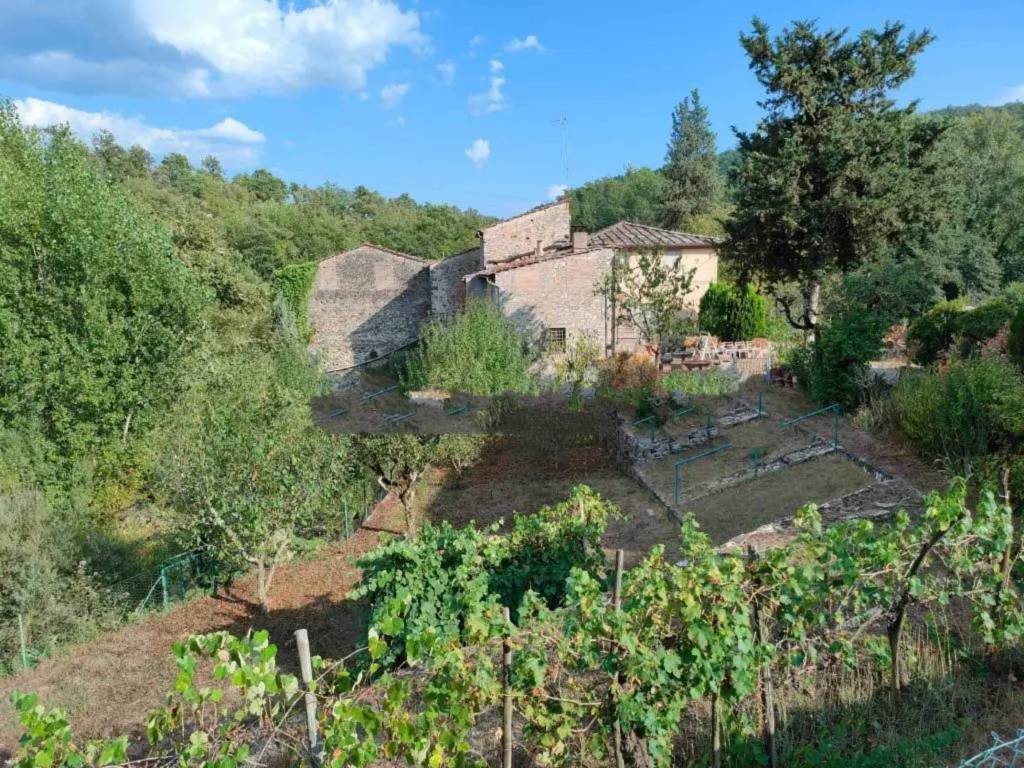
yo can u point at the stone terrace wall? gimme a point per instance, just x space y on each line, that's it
519 235
446 282
365 304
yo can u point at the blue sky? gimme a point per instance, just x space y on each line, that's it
448 100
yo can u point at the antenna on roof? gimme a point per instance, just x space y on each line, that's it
564 122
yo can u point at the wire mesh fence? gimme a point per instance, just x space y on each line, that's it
28 636
1004 753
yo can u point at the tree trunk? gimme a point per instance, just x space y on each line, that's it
899 612
262 587
811 293
636 751
895 635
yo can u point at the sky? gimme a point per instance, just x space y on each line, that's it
484 104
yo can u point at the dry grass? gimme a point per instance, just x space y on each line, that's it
776 495
744 438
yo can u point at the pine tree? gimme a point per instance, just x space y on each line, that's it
691 165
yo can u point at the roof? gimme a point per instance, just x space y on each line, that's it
629 234
380 249
561 249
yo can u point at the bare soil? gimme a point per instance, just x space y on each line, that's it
776 495
512 478
107 686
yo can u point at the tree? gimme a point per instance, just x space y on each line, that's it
211 165
834 175
647 292
980 178
398 462
263 185
242 465
637 195
460 451
691 166
97 311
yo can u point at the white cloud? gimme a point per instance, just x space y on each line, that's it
1013 93
446 71
236 144
474 42
492 100
528 43
479 152
400 120
392 94
203 48
555 191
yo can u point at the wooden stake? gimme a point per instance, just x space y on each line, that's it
716 732
620 761
24 648
765 677
506 682
306 669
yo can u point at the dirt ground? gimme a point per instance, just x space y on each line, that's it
107 686
365 403
887 452
509 478
763 434
776 495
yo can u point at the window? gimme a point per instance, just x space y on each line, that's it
554 339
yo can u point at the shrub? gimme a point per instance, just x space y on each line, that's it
42 580
577 366
937 329
479 352
734 313
449 583
713 382
959 415
932 333
1016 342
983 322
837 365
459 451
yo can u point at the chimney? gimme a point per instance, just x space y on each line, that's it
539 250
580 241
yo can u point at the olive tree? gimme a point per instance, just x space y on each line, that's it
648 293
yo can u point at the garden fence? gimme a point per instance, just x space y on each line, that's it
23 644
1004 753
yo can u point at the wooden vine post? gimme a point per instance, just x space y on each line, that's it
764 675
716 730
306 669
617 606
506 683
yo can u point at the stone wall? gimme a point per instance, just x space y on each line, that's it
446 282
559 293
365 304
519 235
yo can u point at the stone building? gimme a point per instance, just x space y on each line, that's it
370 301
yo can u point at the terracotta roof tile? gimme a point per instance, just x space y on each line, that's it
628 235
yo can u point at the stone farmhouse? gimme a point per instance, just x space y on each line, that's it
369 302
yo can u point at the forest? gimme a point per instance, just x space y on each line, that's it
155 399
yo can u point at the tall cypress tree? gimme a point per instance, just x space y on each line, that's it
834 175
691 165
